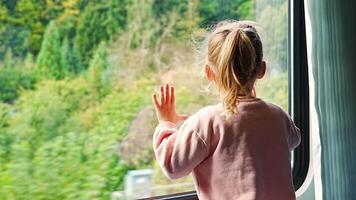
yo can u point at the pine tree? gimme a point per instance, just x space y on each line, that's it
28 63
69 58
48 63
9 59
96 68
98 22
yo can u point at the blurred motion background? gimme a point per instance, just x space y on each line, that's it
76 78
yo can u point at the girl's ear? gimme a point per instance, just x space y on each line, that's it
261 70
209 73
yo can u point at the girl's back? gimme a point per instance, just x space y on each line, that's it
248 155
238 149
244 157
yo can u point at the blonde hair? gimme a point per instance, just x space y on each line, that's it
234 53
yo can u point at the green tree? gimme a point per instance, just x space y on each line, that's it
12 35
25 22
9 60
212 11
98 22
98 82
5 138
70 58
23 26
29 15
13 80
208 11
48 63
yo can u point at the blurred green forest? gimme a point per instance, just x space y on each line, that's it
74 74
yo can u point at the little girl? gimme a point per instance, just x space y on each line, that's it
239 148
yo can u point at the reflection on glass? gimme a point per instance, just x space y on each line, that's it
76 78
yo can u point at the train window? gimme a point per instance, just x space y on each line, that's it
76 77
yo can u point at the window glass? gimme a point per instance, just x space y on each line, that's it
272 17
76 79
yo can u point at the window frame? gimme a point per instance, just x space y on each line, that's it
298 96
299 90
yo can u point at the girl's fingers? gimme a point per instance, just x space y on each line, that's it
155 100
167 96
172 95
162 95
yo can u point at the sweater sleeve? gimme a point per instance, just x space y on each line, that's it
179 151
293 136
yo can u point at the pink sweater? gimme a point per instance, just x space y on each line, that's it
244 157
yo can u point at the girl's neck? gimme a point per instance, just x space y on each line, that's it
246 97
243 97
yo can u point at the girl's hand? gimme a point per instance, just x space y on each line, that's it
165 108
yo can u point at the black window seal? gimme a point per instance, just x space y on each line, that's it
298 98
299 90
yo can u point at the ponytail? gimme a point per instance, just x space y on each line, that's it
236 63
234 53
